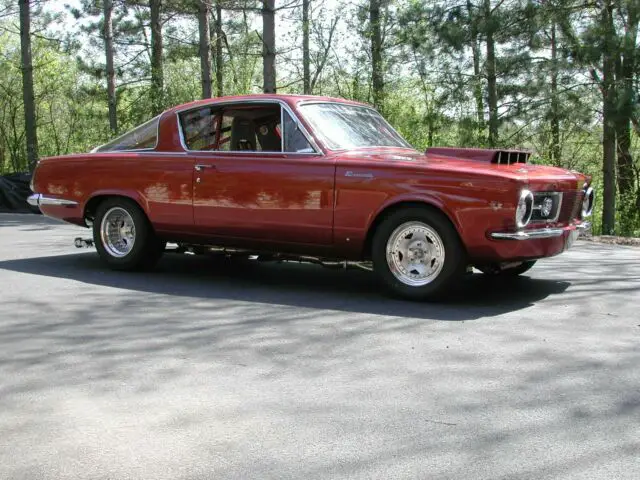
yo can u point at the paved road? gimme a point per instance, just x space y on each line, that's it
209 370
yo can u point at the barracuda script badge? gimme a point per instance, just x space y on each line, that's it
349 173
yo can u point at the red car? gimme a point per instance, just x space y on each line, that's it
317 179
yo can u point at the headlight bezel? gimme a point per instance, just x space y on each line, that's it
524 208
588 202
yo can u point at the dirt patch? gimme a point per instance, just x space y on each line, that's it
612 240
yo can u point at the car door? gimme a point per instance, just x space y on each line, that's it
262 178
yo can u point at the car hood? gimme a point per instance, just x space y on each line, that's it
524 172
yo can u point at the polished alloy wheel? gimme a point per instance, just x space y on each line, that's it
118 232
415 254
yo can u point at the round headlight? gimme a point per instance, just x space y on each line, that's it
587 203
546 207
525 209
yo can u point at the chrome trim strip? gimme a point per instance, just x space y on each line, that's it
283 105
536 234
34 199
530 235
583 226
38 199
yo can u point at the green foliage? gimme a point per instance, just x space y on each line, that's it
435 74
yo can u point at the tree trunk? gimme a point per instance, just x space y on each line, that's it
205 47
625 73
608 127
492 93
111 74
555 109
27 85
305 48
219 61
477 75
377 78
157 70
269 46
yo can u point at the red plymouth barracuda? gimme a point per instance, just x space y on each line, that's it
313 179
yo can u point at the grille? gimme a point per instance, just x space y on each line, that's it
571 202
538 200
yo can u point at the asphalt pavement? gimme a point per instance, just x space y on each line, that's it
210 369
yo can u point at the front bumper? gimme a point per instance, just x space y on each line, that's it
37 200
537 234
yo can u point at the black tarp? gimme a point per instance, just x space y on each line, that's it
14 190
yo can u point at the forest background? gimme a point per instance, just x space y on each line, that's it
558 77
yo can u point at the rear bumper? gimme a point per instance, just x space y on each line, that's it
37 200
540 233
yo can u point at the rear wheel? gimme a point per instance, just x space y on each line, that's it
124 237
417 253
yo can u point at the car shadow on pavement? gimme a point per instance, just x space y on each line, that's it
294 284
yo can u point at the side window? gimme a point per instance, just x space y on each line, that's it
199 128
294 139
254 128
243 127
143 137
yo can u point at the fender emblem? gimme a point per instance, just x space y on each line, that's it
349 173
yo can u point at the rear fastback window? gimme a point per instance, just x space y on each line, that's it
140 138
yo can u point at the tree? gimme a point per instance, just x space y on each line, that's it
219 61
269 46
306 88
205 47
111 75
625 66
377 76
492 89
607 47
27 84
157 67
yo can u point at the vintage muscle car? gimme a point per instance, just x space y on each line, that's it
313 179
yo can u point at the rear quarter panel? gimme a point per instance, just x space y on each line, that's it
161 183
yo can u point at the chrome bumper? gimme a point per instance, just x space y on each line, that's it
536 234
38 199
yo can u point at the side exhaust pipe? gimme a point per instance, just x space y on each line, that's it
80 242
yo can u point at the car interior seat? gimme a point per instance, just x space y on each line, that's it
243 134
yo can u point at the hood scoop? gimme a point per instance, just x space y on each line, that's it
486 155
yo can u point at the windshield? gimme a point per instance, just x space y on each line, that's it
341 126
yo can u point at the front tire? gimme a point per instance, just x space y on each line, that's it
417 253
124 237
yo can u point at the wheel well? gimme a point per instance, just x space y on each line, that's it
394 208
92 205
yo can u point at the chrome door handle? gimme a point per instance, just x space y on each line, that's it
201 166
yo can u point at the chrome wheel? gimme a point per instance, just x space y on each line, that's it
415 254
118 232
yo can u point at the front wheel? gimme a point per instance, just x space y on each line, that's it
417 253
124 237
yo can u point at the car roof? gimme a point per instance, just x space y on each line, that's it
288 98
